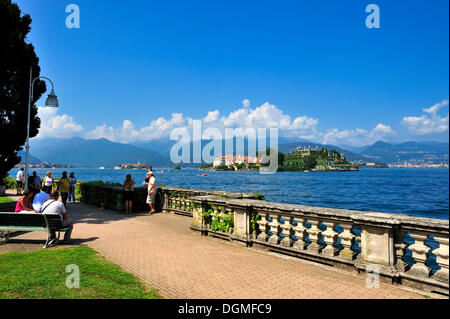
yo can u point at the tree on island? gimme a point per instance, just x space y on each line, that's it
266 156
16 57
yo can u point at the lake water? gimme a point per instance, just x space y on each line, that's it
420 192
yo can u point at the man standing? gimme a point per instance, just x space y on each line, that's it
151 190
19 180
37 180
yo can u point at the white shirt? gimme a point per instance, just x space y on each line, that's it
19 176
39 200
54 207
152 181
48 181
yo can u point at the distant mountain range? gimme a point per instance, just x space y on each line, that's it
102 152
31 158
93 153
410 152
382 152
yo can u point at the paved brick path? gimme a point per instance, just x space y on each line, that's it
163 253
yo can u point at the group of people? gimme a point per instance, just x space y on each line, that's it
46 202
128 187
66 184
41 198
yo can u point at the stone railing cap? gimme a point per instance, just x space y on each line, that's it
355 216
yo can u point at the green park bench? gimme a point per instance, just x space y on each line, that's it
30 221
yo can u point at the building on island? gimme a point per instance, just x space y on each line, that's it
230 160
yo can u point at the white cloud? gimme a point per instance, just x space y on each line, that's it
384 129
156 129
212 116
264 116
435 108
352 137
428 123
54 125
358 136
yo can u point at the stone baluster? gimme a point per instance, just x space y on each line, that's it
286 231
182 202
273 225
166 206
442 258
330 238
314 235
400 247
262 223
420 254
177 201
347 241
300 233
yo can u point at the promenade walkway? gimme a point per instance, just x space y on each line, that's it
163 252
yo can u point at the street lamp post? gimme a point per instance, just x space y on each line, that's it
52 101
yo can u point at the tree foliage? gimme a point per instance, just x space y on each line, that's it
16 57
266 155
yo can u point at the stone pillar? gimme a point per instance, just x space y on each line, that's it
314 235
442 258
400 247
419 253
330 238
242 225
197 218
286 231
377 238
377 245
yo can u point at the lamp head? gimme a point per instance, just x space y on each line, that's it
52 100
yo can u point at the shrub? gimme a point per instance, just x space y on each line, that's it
259 196
10 182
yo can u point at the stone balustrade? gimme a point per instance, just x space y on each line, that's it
168 199
178 200
111 197
405 250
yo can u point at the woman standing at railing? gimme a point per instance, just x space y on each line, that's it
128 190
47 183
73 182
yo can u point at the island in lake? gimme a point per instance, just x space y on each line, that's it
133 166
301 159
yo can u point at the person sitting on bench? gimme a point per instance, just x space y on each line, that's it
24 203
39 200
53 206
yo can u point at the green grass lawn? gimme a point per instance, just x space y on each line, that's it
42 274
5 200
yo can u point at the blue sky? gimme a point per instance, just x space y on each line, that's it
311 67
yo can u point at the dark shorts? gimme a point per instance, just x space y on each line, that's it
128 195
19 184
